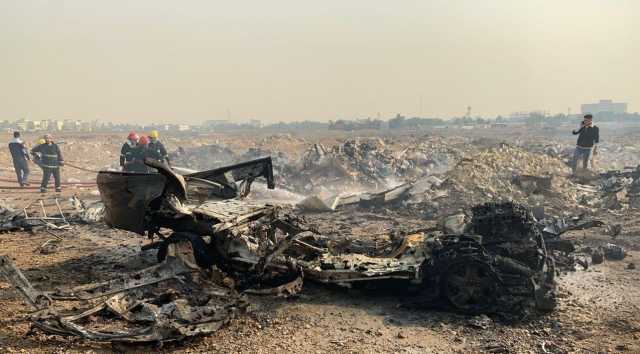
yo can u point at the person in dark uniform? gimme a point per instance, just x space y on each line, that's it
156 149
20 158
36 156
51 162
128 150
588 139
138 154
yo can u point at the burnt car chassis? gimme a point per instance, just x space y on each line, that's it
500 262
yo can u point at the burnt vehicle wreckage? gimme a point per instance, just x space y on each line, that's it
214 246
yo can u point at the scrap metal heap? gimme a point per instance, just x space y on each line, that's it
51 214
351 164
221 246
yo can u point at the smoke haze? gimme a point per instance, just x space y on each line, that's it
150 60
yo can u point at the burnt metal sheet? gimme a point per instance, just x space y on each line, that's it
231 210
14 276
149 315
175 183
284 290
126 197
171 321
347 268
170 269
248 170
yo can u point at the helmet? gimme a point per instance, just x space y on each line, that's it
154 134
40 141
143 140
133 136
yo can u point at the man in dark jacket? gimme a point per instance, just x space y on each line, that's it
51 161
156 149
128 152
20 158
588 139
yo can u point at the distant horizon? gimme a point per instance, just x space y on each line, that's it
325 120
244 121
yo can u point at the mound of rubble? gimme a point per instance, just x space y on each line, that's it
370 164
356 164
502 173
612 190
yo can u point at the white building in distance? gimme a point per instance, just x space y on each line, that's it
604 106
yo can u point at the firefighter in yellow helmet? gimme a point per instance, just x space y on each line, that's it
51 162
156 149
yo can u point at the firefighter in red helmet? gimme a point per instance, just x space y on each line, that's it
139 153
127 153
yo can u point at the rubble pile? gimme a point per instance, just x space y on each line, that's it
502 173
491 172
616 154
555 149
369 164
356 164
622 153
613 190
433 156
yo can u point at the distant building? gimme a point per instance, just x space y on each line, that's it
33 125
71 125
22 124
604 106
86 126
216 123
522 116
358 124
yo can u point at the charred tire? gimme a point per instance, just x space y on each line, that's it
508 229
200 248
470 286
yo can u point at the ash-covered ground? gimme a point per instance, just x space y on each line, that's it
448 171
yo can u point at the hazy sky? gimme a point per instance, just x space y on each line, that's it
151 60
